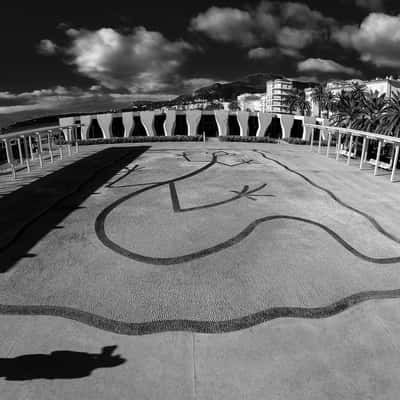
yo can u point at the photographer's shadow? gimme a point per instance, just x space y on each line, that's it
58 365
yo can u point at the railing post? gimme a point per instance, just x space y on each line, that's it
338 144
329 143
69 141
28 166
40 143
364 148
312 138
21 158
378 157
31 147
319 142
10 158
350 148
50 149
395 161
40 150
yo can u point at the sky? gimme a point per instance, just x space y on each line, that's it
70 56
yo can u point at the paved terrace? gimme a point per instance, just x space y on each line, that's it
192 271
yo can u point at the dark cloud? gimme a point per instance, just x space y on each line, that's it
287 25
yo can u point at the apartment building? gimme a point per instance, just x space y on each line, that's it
275 95
277 91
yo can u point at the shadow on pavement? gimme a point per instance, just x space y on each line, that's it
31 212
58 365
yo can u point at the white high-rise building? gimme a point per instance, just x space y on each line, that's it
276 92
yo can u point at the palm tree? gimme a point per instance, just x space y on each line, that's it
346 110
371 108
318 96
329 102
295 99
390 117
358 91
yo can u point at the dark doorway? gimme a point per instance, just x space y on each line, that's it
58 365
253 125
159 124
208 125
95 131
233 126
138 129
297 129
181 128
274 130
117 127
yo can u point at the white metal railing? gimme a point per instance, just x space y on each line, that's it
354 135
26 139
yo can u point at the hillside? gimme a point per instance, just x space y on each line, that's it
228 91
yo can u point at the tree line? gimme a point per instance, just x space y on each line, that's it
356 108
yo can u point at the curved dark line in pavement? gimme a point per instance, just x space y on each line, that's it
100 220
100 225
199 326
127 328
177 208
59 201
233 241
372 220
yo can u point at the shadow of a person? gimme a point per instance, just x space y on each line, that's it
58 364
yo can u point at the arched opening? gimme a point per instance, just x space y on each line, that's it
181 128
274 130
138 129
253 125
78 130
117 127
159 124
94 131
233 126
208 125
297 129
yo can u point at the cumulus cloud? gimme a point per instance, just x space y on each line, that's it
295 38
288 25
225 25
325 66
142 61
47 47
260 53
377 39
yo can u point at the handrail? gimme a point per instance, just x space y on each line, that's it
24 141
355 132
46 129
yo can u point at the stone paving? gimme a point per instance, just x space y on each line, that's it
216 270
